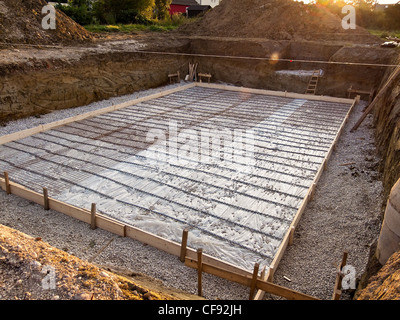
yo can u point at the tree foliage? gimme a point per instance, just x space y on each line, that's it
366 15
121 11
392 14
161 10
116 11
77 10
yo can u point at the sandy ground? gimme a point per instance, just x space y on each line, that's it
345 215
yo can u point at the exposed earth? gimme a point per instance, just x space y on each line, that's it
31 269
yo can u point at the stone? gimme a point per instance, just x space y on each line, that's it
82 296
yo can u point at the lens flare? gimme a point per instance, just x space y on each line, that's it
274 58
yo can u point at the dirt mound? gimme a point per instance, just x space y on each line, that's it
271 19
25 261
385 285
21 22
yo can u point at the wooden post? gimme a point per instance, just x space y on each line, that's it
291 235
184 244
7 181
260 294
199 272
46 199
271 271
377 98
93 217
254 281
314 186
337 291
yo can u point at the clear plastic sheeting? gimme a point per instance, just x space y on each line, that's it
232 167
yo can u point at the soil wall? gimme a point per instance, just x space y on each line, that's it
42 85
51 85
387 119
381 283
262 74
39 86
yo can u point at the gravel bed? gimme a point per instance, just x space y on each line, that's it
343 216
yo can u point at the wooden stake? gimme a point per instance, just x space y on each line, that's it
337 290
184 244
271 272
314 186
7 181
254 281
199 272
93 217
46 199
260 294
377 98
245 280
291 235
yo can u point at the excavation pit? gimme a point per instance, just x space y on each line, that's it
235 166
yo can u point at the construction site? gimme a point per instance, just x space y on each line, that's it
248 155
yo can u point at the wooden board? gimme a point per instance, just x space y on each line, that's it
29 132
247 281
275 93
116 227
377 98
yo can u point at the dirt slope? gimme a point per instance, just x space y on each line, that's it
385 285
21 22
24 261
271 19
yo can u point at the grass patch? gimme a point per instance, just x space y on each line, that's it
384 33
124 28
156 26
129 28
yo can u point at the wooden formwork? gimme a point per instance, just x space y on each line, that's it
187 255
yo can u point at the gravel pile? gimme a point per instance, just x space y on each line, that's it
345 215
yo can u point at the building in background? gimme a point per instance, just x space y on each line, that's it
211 3
383 6
197 6
195 10
180 6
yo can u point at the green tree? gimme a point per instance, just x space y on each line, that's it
161 10
78 10
121 11
365 14
392 15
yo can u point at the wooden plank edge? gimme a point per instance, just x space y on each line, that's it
247 281
274 93
44 127
116 227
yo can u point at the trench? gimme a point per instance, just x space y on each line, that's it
42 85
60 84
